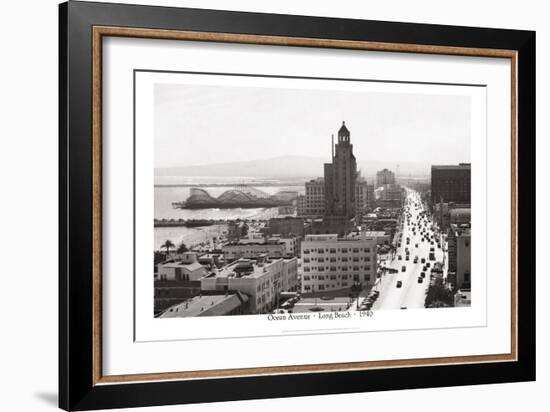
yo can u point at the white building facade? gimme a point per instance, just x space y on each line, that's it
185 268
331 263
262 281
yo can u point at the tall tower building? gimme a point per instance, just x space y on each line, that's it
341 177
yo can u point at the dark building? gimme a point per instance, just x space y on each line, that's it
340 178
171 292
451 183
285 226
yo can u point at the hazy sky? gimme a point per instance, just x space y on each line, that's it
196 125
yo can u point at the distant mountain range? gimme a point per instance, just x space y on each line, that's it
287 167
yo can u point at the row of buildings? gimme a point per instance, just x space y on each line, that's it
450 200
313 203
255 284
257 278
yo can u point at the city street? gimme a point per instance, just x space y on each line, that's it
402 290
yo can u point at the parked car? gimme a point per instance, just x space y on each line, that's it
403 268
420 279
399 284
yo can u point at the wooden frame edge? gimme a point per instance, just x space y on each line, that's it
97 207
98 32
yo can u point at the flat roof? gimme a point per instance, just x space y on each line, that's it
460 166
189 266
206 305
257 270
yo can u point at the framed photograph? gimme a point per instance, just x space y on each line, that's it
256 205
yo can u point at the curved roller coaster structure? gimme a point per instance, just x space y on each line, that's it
241 196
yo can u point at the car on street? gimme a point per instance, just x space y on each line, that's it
420 279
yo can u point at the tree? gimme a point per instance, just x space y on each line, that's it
182 248
439 295
167 245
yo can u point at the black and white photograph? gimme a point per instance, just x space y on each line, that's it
284 200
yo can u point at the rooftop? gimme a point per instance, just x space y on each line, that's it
272 241
209 305
354 236
460 166
180 264
245 268
463 229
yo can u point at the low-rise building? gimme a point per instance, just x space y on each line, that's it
332 263
184 268
209 305
446 213
463 297
249 249
285 226
459 252
263 280
171 292
382 238
291 244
